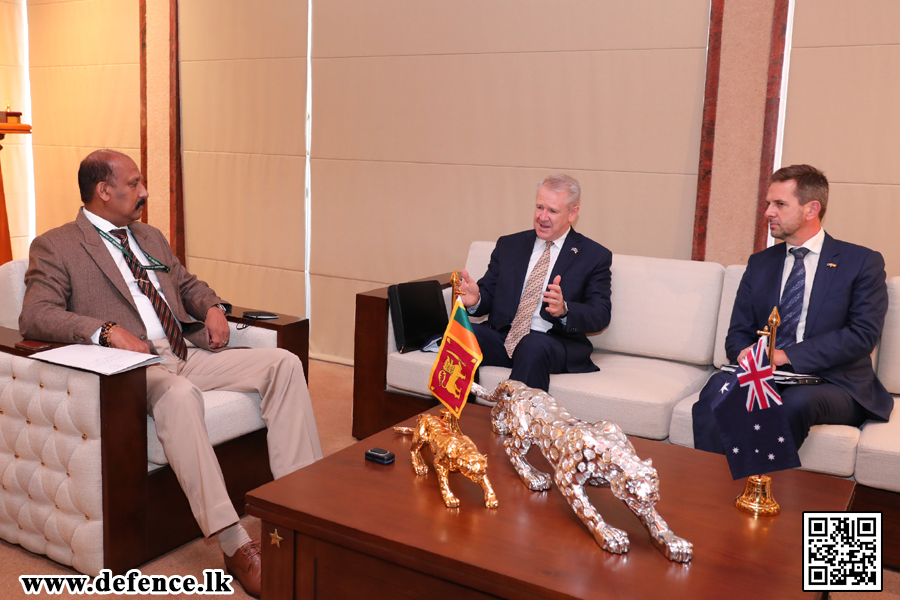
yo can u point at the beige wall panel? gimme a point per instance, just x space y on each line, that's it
230 29
14 160
159 98
12 42
12 91
451 206
867 215
841 23
259 288
56 183
20 246
597 114
740 118
89 32
96 106
245 208
400 27
255 106
842 112
333 317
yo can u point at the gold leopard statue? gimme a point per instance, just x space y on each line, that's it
452 450
581 453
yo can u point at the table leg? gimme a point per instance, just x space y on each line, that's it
278 550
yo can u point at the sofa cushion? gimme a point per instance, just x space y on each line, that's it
663 308
636 393
478 259
878 455
889 348
730 284
829 449
229 415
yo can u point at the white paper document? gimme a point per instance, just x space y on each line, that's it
99 359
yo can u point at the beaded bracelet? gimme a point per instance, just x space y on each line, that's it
105 331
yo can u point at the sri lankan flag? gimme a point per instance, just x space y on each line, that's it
459 356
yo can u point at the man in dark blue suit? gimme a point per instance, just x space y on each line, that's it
544 290
832 299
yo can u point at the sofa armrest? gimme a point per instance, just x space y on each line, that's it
291 334
374 406
123 455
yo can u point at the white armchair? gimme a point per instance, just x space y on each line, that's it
84 477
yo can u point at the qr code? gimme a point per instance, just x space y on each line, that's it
841 551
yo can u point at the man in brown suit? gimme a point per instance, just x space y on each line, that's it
107 278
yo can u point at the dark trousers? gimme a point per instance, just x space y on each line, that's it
804 405
535 358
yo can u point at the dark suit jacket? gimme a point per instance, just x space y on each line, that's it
73 286
584 267
843 322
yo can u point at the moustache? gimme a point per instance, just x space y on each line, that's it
140 204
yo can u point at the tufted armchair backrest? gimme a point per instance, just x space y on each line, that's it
12 291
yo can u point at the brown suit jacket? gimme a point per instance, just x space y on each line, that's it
73 286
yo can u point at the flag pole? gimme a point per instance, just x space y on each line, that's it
757 498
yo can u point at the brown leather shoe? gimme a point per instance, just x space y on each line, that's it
246 567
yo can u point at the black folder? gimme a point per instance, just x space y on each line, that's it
418 311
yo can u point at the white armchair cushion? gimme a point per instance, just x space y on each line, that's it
12 290
228 415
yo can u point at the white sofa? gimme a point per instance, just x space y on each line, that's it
669 321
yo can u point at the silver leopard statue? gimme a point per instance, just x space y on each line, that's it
581 453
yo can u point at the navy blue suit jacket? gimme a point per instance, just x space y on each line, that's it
585 284
843 323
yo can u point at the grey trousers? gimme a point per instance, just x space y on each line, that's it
175 401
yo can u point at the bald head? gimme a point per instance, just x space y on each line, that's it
97 167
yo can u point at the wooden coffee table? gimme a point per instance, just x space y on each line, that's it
349 528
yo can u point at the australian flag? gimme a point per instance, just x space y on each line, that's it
754 432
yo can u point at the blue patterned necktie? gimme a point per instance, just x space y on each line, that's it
791 304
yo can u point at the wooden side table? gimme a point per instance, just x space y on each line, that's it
5 242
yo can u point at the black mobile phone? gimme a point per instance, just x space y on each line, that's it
380 456
258 314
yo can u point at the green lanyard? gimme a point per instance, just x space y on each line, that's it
155 264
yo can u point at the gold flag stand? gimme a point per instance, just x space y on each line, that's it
757 498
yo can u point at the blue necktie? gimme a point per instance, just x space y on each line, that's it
792 300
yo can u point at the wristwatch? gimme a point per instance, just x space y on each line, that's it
221 307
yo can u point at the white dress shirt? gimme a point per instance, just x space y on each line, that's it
811 263
151 321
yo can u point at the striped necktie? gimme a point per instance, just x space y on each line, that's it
531 296
791 304
166 318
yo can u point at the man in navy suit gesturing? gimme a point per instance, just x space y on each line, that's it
832 298
544 289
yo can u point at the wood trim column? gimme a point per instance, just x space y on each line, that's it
142 11
176 180
770 126
169 33
708 128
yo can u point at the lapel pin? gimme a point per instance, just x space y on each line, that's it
832 265
575 250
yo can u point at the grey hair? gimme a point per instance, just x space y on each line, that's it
563 183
